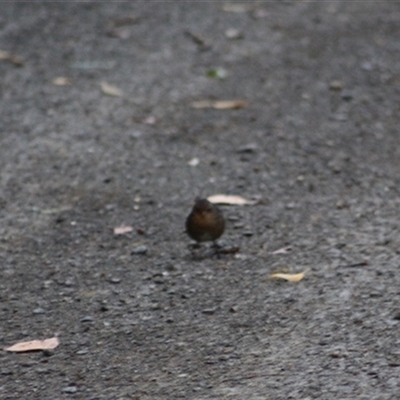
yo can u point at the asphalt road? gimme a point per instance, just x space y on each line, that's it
100 128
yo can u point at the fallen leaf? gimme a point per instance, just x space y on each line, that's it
13 58
61 81
290 277
120 230
229 199
283 250
221 104
110 90
193 162
33 345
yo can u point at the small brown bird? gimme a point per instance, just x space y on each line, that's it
205 223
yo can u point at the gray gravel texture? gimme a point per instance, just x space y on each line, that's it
137 315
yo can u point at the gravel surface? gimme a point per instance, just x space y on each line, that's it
317 146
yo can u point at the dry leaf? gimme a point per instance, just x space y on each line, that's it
13 58
221 104
229 199
32 345
283 250
290 277
120 230
110 90
61 81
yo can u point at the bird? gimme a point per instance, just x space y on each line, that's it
205 223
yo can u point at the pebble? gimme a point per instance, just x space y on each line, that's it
248 148
336 85
70 389
87 318
209 311
140 250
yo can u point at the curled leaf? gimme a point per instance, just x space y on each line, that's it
229 199
32 345
290 277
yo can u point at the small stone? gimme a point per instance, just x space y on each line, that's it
367 66
209 311
140 250
115 280
340 204
336 85
68 282
233 33
247 233
87 318
38 311
6 372
82 352
347 95
397 316
248 148
70 389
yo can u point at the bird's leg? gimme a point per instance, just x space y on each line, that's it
194 246
216 247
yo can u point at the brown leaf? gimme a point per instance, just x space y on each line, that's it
221 104
33 345
13 58
120 230
110 90
229 199
290 277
